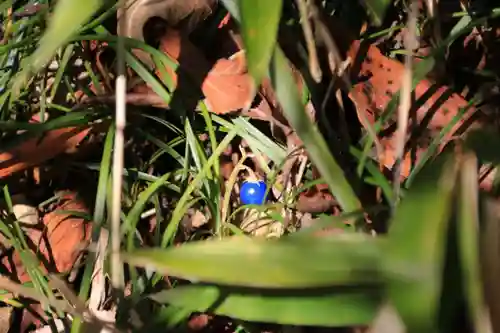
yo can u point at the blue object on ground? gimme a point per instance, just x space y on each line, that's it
253 192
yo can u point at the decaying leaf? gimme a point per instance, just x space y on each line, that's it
59 241
36 151
371 96
226 85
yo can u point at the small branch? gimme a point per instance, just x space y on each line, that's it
120 121
411 43
337 66
314 67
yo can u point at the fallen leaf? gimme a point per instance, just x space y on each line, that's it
372 95
226 85
198 322
198 219
59 243
35 151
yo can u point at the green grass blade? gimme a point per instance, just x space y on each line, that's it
299 262
415 252
68 52
468 236
135 213
259 27
325 307
211 134
256 139
99 214
287 93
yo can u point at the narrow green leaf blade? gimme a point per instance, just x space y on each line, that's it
468 240
289 98
259 27
322 307
490 258
298 262
416 246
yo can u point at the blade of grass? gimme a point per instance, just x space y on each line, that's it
299 262
415 252
468 236
259 27
99 213
134 214
325 307
288 96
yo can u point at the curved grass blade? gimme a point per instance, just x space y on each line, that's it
287 93
300 262
134 215
468 236
415 252
259 27
258 141
321 307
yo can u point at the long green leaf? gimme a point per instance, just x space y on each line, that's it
300 262
416 248
468 235
98 219
490 258
134 215
259 27
323 307
289 97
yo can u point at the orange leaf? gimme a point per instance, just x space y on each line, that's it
59 243
372 96
35 151
226 86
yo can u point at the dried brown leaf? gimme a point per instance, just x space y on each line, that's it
59 242
34 151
